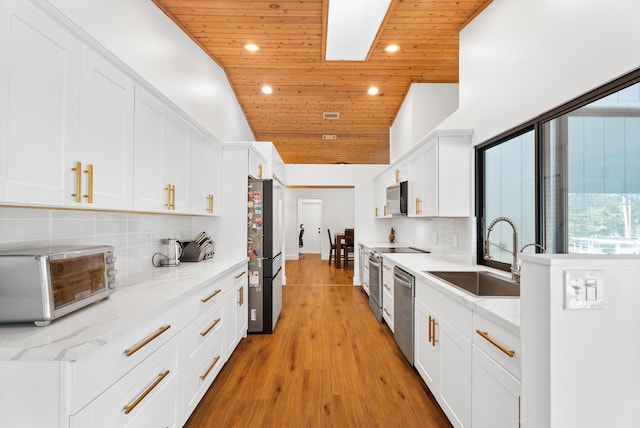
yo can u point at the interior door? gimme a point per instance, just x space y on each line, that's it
310 216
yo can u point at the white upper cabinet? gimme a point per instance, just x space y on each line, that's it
39 76
161 157
257 165
206 174
106 134
440 176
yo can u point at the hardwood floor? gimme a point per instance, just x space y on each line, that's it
329 363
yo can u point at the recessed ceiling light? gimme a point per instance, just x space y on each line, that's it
266 89
373 90
252 47
392 48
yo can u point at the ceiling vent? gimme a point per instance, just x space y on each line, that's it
330 115
329 137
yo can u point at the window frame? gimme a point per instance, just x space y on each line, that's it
537 125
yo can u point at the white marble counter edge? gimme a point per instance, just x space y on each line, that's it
504 311
74 336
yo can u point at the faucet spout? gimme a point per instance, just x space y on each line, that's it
515 275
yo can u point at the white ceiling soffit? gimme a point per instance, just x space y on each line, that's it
352 27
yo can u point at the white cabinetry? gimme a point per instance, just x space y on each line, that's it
364 267
39 75
106 136
161 156
236 307
387 292
496 375
206 174
440 182
380 185
443 351
257 165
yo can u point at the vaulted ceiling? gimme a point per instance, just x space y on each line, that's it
291 37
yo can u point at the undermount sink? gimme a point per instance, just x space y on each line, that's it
480 283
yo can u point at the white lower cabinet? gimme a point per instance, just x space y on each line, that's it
146 396
443 351
387 292
496 394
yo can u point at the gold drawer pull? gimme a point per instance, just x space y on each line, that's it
432 331
131 351
214 294
241 296
386 267
89 172
387 287
78 181
484 334
130 407
215 361
240 274
215 323
387 312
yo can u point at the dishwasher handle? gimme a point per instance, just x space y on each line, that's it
403 278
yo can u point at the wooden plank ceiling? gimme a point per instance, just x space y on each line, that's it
290 34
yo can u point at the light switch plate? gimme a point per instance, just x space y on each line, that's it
583 289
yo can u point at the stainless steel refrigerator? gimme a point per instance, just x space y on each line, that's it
264 225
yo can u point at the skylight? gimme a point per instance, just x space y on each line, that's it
352 27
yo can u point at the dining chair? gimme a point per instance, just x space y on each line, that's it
333 249
349 246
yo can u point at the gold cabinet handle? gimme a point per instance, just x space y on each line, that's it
241 296
260 169
386 267
418 206
168 189
173 197
211 296
397 176
215 361
485 335
240 274
387 312
376 211
385 209
387 287
430 331
128 408
129 352
78 180
215 323
89 172
435 323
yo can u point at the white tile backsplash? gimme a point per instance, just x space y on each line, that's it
136 237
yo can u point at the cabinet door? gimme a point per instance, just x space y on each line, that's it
454 393
176 160
256 165
206 174
427 354
149 134
39 75
106 134
430 205
496 394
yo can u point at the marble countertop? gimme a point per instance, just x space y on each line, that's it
505 311
71 336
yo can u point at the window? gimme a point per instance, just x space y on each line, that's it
582 196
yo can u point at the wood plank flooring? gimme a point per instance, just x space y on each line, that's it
329 363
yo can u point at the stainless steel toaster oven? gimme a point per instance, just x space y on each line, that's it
42 284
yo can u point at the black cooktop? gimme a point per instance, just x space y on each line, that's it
398 250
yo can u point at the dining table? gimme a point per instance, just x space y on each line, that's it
339 240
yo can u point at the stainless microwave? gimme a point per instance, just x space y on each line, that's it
42 284
397 197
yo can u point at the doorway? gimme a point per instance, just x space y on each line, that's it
310 219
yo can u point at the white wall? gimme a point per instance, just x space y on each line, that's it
338 213
424 107
520 58
147 41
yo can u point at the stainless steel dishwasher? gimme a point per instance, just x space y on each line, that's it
403 293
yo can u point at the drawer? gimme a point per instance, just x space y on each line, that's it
146 396
387 309
207 296
117 355
387 286
498 343
459 316
202 371
201 331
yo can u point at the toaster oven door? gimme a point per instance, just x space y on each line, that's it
77 279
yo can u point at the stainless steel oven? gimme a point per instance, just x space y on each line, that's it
375 284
